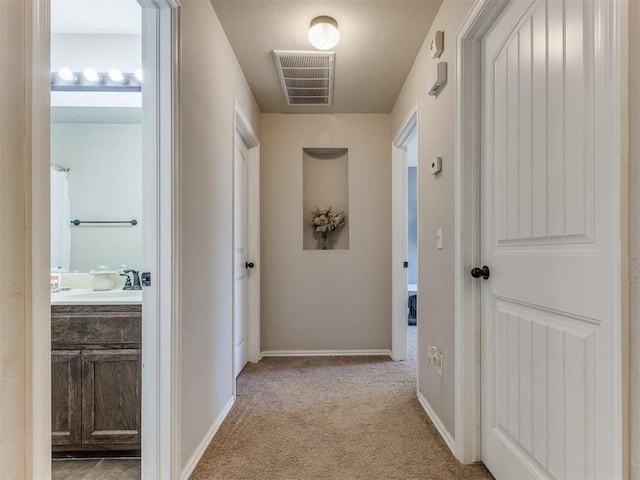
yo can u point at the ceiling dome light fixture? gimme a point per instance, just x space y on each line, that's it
323 33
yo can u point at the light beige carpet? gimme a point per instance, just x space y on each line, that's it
329 418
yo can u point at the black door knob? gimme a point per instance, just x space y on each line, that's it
483 272
248 265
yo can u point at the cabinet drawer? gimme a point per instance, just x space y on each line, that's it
96 326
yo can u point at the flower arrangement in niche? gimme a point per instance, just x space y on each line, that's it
324 221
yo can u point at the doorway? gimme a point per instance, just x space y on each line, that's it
412 247
246 245
160 450
97 249
405 201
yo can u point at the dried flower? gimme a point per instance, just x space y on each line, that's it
325 221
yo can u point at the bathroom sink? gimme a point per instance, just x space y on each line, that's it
90 297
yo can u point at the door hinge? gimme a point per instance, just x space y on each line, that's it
405 264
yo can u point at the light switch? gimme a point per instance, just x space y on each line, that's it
439 238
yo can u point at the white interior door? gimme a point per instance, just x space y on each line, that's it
548 371
241 319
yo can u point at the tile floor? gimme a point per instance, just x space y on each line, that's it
96 469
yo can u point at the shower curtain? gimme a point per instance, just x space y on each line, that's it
60 220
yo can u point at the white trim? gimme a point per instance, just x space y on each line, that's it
325 353
253 340
38 306
444 433
160 345
192 463
399 252
242 125
176 294
611 35
467 230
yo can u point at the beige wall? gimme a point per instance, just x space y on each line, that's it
436 209
211 79
24 193
634 254
335 299
13 246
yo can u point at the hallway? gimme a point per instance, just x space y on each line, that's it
329 418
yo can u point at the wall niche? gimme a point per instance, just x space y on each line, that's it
325 184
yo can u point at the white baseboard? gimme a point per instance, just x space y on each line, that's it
444 433
199 451
323 353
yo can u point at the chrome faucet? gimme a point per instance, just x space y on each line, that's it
136 280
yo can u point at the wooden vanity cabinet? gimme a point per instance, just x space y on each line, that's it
96 377
66 427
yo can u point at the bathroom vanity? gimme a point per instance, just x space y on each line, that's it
96 374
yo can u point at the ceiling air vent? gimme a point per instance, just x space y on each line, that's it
306 77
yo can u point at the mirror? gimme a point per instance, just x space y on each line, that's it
96 148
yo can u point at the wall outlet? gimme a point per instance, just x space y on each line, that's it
435 358
436 166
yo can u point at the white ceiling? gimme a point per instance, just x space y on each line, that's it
379 41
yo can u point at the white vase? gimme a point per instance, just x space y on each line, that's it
101 281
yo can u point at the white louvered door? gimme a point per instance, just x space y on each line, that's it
546 203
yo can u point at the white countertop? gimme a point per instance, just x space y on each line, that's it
91 297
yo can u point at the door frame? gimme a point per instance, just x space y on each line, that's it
242 129
160 452
38 324
399 195
160 390
468 126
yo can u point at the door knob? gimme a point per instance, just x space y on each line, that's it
483 272
249 265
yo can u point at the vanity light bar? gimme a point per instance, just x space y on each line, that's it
113 81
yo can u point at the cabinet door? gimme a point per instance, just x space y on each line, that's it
111 398
65 397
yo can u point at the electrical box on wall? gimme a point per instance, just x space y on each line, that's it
436 165
437 82
437 44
